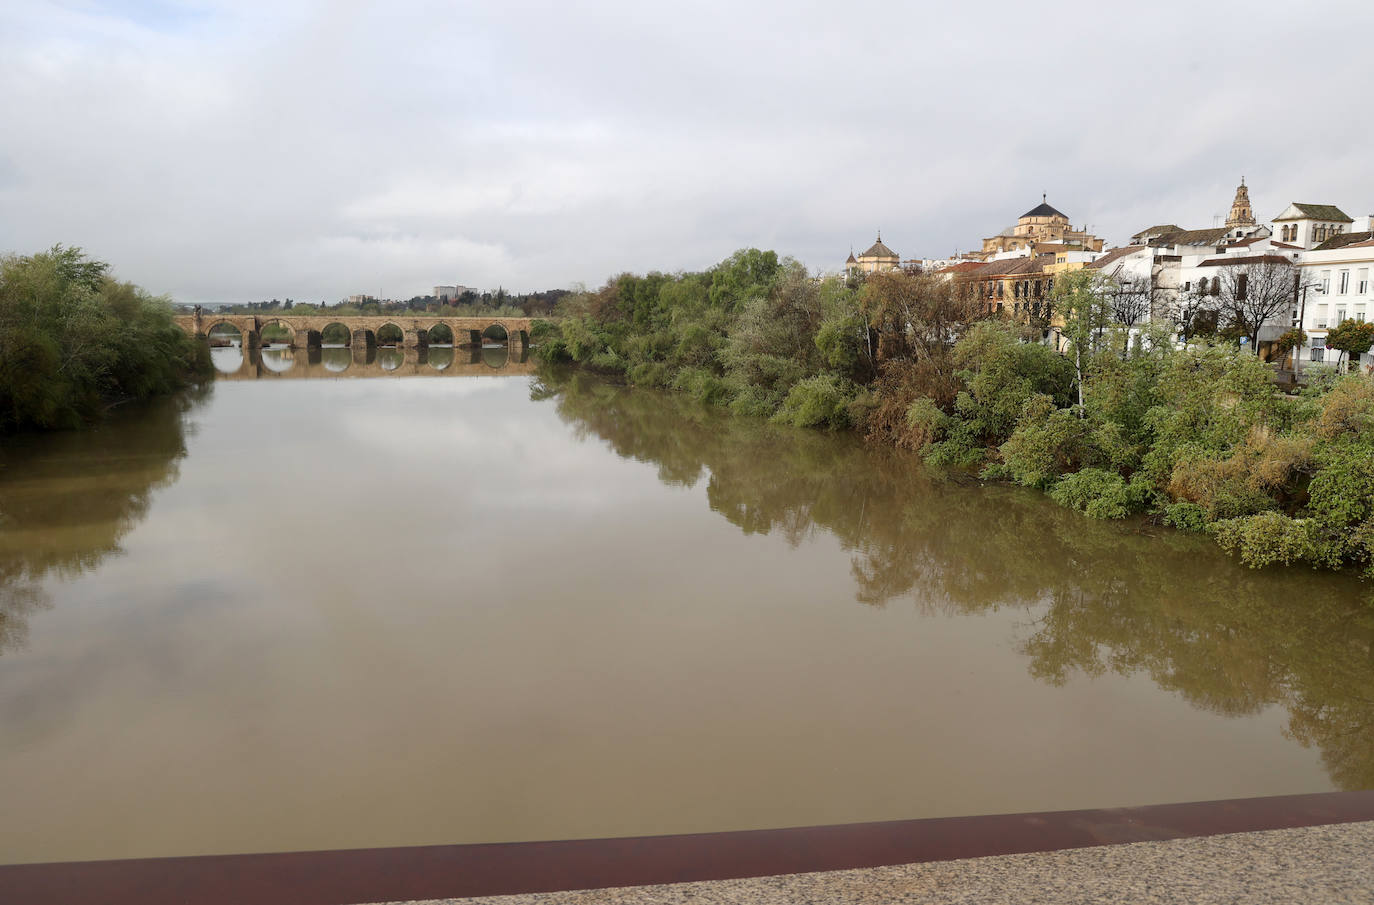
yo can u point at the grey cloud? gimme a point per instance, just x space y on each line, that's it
227 152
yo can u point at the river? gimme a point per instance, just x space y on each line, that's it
325 613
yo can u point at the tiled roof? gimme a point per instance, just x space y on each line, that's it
1245 259
1010 267
1321 212
1343 240
1115 255
962 267
879 250
1192 237
1044 210
1159 229
1285 245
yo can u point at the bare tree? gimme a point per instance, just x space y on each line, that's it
1255 291
1195 311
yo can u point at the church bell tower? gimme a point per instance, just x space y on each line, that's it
1241 215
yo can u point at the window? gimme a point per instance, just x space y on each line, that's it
1325 282
1343 283
1001 292
1340 315
1187 284
1363 280
1319 348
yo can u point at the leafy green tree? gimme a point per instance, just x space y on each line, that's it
1351 337
73 339
1083 300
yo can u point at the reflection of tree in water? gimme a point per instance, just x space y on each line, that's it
67 499
1100 596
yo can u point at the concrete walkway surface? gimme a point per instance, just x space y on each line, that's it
1322 865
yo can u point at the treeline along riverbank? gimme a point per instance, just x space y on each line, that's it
1197 437
74 340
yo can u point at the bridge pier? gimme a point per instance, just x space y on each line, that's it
365 338
416 339
251 340
300 339
474 338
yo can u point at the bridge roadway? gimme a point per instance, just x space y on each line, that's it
306 331
361 361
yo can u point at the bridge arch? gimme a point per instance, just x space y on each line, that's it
390 334
222 332
336 333
440 334
496 333
275 331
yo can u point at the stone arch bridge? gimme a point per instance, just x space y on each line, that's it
308 330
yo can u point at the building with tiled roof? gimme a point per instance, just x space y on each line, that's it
1343 239
1042 224
1309 225
877 258
1338 276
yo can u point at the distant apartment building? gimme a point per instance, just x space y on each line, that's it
446 293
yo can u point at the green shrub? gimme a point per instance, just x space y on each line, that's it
1267 538
649 374
703 386
821 401
926 422
1046 444
1098 493
1186 516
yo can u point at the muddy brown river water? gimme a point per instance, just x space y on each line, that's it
329 613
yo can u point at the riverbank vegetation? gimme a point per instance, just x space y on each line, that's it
1111 423
74 340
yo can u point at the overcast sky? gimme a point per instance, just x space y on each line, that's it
239 151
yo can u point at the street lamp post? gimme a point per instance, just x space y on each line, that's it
1315 286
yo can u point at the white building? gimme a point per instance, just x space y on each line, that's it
1309 225
1338 277
445 293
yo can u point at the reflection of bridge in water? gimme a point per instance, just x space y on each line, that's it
370 361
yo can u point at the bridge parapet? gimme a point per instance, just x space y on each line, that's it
307 331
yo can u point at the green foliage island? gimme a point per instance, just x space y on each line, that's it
74 341
1112 423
